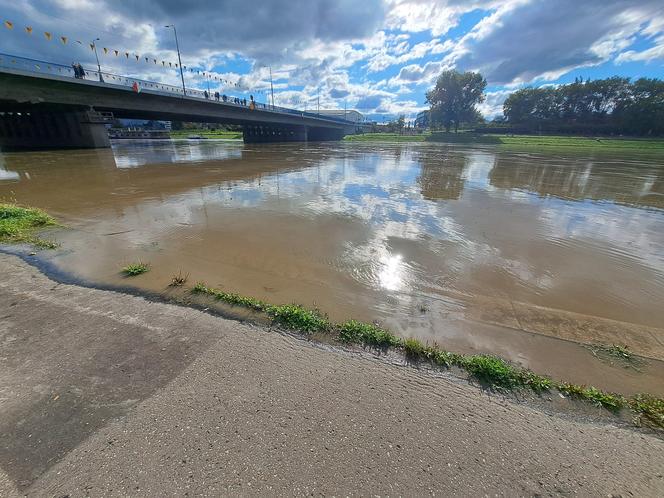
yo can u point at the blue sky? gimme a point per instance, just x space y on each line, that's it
378 56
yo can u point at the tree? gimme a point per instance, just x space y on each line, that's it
454 97
401 122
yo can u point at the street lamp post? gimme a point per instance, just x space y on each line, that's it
271 88
94 47
177 46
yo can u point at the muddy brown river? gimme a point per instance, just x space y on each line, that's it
529 255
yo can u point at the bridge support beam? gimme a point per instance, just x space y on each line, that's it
52 130
265 133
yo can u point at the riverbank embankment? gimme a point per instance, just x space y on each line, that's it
107 393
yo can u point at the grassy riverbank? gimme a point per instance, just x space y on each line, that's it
519 141
489 370
19 224
218 134
385 137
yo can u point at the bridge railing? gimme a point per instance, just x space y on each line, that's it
43 67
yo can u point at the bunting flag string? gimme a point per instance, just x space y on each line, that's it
206 74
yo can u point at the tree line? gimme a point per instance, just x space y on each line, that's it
615 105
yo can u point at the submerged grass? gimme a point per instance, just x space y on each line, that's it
134 269
18 224
616 354
489 370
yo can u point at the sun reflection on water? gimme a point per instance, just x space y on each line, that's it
391 272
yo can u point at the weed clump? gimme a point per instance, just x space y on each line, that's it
296 317
17 225
178 280
134 269
649 410
230 297
610 401
491 370
537 383
367 334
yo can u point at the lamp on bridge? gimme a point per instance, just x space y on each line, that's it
177 46
94 47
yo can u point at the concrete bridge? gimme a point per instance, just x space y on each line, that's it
42 105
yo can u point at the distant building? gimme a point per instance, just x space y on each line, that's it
350 114
422 119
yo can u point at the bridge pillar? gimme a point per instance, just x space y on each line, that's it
318 134
52 130
264 133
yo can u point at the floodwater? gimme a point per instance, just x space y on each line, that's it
528 255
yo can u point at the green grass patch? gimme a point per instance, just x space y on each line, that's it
384 137
230 297
354 332
134 269
597 143
520 141
490 370
609 401
463 138
296 317
18 225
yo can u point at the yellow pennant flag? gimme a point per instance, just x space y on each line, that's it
48 35
64 40
28 30
9 25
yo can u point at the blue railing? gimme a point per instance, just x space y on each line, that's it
43 67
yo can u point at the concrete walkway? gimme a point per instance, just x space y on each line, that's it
109 394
